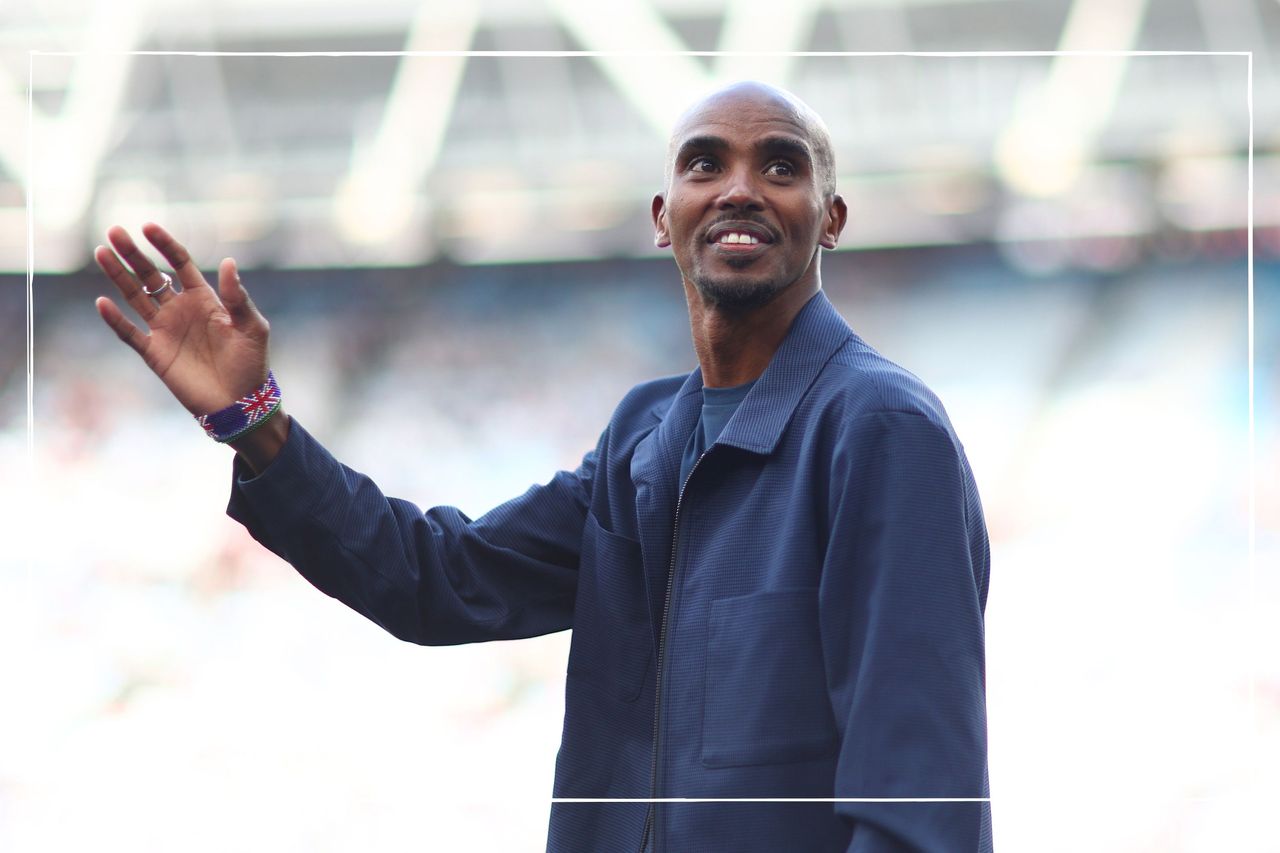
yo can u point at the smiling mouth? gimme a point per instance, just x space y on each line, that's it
739 239
747 246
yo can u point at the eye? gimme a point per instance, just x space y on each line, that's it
780 168
701 163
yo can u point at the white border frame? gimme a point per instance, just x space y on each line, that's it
1252 438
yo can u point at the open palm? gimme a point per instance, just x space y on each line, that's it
209 348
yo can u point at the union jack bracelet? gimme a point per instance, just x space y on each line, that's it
244 414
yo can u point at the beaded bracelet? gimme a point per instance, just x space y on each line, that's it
245 414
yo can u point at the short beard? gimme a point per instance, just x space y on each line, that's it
735 296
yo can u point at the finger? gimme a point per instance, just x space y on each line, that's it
124 281
234 296
144 270
120 324
176 254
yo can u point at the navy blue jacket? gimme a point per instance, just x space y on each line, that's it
803 620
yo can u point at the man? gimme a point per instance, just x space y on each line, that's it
775 568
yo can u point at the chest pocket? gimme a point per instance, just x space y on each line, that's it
612 646
766 699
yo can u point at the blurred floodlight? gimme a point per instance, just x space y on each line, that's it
244 208
493 216
371 209
1043 149
375 201
760 26
1041 158
647 84
1201 193
70 145
494 205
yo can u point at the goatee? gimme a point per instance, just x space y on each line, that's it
736 295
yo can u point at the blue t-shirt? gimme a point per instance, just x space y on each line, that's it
718 405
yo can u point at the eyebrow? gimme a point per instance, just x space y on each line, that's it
789 146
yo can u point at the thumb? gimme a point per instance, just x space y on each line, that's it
234 296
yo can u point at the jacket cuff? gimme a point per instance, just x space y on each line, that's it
288 489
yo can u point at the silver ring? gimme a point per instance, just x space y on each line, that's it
168 283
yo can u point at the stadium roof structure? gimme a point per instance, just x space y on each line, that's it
186 113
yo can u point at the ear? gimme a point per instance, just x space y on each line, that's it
837 215
661 236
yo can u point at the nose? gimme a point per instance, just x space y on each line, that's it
740 191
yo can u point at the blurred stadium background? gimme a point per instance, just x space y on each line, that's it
456 258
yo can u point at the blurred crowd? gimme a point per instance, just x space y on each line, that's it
169 665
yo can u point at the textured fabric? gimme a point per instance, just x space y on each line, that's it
824 629
718 406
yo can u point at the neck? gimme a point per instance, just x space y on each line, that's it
734 348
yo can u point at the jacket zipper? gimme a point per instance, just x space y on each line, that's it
650 819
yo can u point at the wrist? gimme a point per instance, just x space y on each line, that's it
255 425
260 445
245 414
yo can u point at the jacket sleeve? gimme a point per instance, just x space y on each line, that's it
435 577
901 618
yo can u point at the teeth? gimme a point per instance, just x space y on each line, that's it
735 237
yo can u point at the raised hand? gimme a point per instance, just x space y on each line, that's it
209 348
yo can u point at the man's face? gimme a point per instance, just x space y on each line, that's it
745 212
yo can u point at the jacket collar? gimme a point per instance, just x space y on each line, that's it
757 426
817 332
